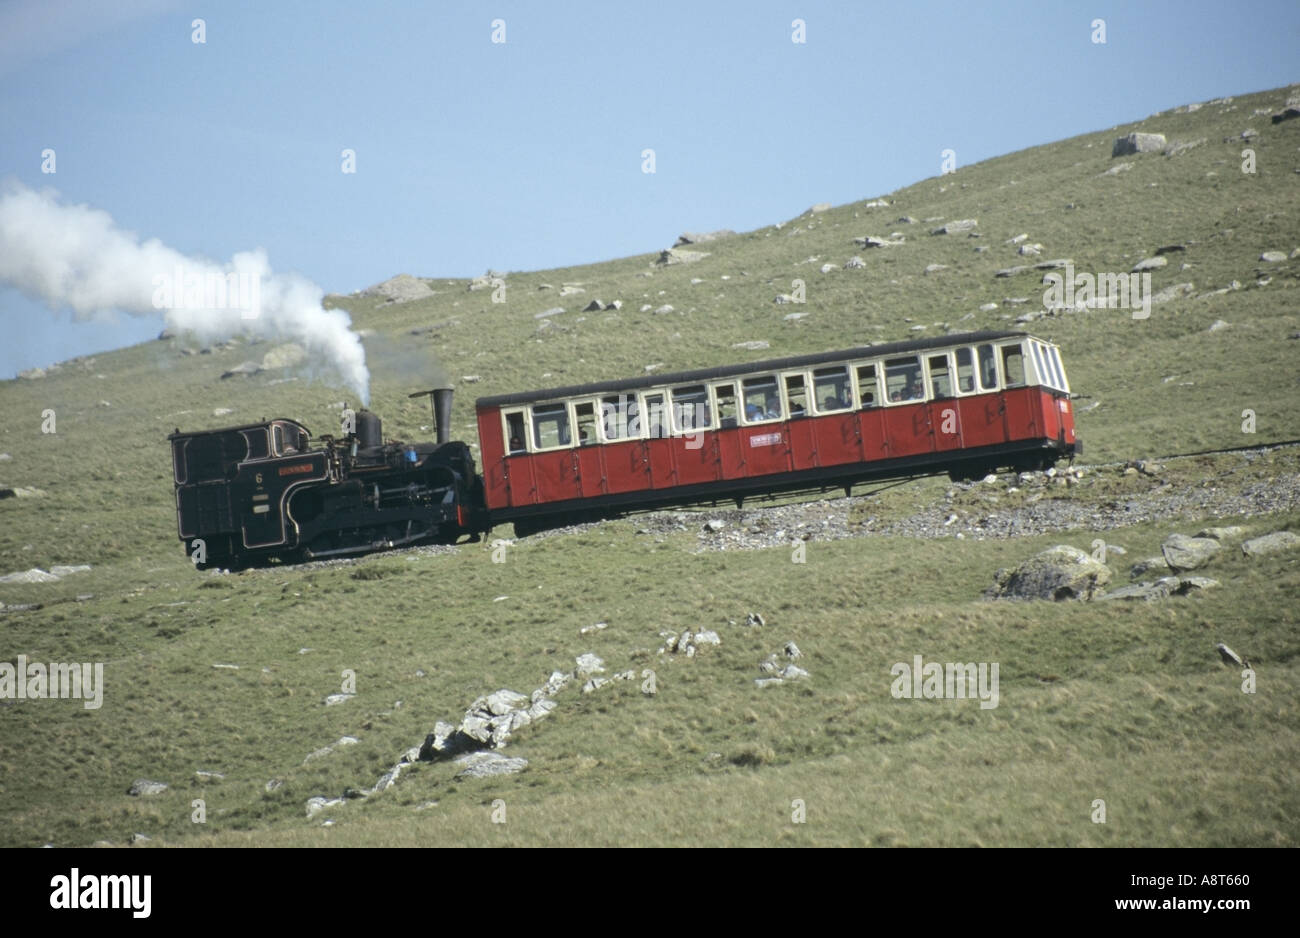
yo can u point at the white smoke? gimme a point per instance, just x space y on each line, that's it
75 257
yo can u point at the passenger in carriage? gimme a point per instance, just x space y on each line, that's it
516 445
868 399
753 412
773 406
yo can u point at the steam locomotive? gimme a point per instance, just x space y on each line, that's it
964 404
258 493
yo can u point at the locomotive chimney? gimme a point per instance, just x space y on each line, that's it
370 430
442 413
440 400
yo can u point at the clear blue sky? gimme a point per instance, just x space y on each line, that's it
527 154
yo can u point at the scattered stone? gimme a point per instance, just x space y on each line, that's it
854 263
1229 533
1270 543
1175 291
318 804
699 237
1273 257
679 256
792 651
664 310
1217 326
589 664
1118 168
1150 263
714 525
594 684
955 227
1030 250
569 289
935 268
1138 143
333 699
754 618
246 368
1150 565
753 345
143 787
35 575
1011 271
1059 263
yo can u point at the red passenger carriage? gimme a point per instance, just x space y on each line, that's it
966 404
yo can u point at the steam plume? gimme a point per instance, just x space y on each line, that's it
75 256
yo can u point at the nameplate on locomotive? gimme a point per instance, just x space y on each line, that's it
296 470
765 439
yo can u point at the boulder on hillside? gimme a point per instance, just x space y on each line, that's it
284 356
1270 543
699 237
679 256
1187 553
1058 573
400 289
1138 143
245 368
955 227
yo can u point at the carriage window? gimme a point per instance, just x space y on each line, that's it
655 417
867 390
618 414
903 379
551 426
515 433
831 389
691 407
585 415
726 395
796 392
988 368
762 402
940 379
279 440
1013 365
1060 369
965 371
1044 375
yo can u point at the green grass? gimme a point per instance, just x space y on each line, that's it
1127 704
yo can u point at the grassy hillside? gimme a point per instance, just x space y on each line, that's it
1124 703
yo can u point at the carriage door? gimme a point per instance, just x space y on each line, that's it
1021 400
945 415
588 456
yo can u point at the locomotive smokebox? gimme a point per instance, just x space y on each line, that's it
440 399
370 430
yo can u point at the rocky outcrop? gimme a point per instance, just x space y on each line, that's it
1058 573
